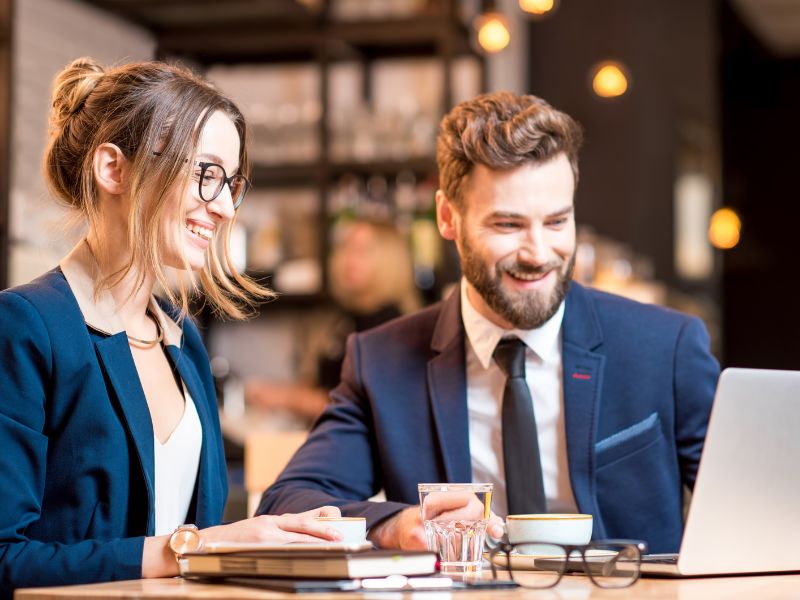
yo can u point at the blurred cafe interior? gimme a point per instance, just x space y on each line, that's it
687 195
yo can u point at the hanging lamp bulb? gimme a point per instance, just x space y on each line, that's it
609 79
492 26
724 229
538 8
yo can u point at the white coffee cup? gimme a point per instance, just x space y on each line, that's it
557 528
353 529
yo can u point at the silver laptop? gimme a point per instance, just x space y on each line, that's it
745 511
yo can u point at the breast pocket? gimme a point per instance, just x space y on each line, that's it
638 488
628 441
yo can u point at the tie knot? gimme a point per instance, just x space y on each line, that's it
510 357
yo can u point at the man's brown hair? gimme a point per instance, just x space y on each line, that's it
501 131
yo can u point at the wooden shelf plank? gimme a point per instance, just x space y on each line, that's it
307 174
285 175
261 42
419 166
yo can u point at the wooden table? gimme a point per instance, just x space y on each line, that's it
575 587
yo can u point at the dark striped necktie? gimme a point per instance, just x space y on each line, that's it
523 465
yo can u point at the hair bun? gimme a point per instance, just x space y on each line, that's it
71 88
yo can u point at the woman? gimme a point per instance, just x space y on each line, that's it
109 436
371 281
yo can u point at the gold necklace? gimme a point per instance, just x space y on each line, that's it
134 341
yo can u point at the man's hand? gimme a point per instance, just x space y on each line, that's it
466 506
404 530
496 528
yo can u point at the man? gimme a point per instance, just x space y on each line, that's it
602 406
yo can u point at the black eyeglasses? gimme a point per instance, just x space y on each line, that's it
212 178
535 565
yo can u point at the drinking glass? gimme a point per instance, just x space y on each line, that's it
455 516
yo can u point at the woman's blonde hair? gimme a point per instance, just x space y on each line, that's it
391 266
154 112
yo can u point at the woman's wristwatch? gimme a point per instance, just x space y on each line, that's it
185 538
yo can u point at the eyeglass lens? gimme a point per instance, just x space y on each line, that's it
536 565
540 565
613 565
213 179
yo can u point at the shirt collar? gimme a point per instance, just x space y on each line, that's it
483 335
100 311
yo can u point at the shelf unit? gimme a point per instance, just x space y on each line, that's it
207 34
299 174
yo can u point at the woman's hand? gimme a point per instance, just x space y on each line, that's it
278 529
159 561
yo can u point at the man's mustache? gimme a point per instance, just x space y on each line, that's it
526 269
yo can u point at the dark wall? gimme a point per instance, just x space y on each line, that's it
5 132
761 175
635 144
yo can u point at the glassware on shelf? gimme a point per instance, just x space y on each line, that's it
300 276
283 238
355 10
405 195
261 219
281 105
364 137
613 267
401 198
399 120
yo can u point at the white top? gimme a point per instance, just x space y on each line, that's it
176 464
485 383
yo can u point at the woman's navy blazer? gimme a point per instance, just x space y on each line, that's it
76 436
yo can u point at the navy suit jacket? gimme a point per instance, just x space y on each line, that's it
76 442
638 386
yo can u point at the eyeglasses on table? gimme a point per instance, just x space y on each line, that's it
608 563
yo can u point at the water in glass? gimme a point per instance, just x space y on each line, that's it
455 516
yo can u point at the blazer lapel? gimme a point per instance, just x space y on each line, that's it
447 384
117 361
208 496
101 315
583 378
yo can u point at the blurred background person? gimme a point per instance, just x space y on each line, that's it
371 282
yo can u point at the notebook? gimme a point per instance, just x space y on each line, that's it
297 563
745 510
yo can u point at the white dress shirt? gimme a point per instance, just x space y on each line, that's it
485 383
176 464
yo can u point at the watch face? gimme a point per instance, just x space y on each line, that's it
185 539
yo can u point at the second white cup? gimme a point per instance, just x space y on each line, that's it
353 529
570 529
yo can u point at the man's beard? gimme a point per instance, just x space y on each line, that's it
524 310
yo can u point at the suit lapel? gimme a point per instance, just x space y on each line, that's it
447 384
117 361
583 378
101 315
583 369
